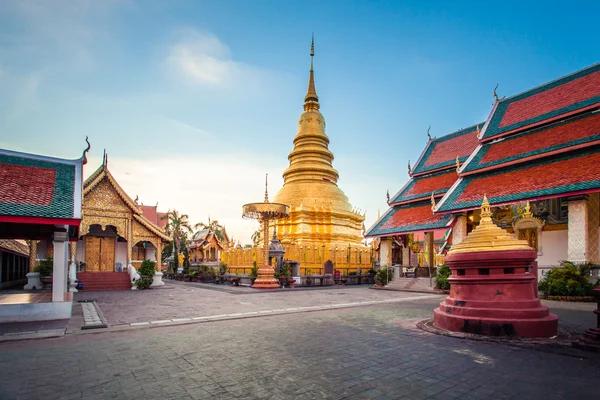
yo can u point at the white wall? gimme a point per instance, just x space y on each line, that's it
150 252
555 246
80 251
121 254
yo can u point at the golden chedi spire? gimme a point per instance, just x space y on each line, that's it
311 179
487 236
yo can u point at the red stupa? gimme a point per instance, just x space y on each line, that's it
492 288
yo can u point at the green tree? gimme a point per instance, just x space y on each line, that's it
178 227
212 226
255 238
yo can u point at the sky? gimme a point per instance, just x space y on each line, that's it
194 101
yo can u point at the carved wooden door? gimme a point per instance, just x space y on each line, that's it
107 254
99 254
92 254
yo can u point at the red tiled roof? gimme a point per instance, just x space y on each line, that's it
407 219
21 184
567 96
432 183
552 99
441 153
447 150
150 213
569 173
421 187
563 136
14 246
411 216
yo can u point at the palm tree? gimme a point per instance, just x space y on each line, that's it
212 226
178 228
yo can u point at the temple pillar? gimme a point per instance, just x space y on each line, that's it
583 228
405 256
33 278
429 248
59 272
385 252
157 280
459 230
72 268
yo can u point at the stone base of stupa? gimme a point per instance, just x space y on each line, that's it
266 279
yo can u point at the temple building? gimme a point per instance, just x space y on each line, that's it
206 247
320 214
114 233
410 234
535 160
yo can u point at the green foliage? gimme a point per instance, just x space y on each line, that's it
570 279
441 277
143 283
45 267
147 268
382 276
284 271
223 268
254 270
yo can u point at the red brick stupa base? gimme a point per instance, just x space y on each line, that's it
492 293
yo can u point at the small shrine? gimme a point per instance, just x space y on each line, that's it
493 290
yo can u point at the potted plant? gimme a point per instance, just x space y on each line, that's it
45 269
147 270
308 277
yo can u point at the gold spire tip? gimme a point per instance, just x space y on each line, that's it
266 188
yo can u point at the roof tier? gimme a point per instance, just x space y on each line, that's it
410 218
563 175
421 187
441 153
33 187
554 100
581 130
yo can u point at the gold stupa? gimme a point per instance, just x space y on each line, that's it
320 211
487 236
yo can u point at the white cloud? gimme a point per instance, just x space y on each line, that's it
215 186
204 59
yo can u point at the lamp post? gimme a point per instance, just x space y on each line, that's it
265 212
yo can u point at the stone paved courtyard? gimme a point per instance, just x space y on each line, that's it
366 352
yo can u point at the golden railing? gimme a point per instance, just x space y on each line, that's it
311 258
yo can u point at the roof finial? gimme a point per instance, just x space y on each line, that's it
432 202
457 164
105 159
266 188
428 135
496 94
387 194
311 100
84 156
409 167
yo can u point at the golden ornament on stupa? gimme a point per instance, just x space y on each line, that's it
320 211
487 236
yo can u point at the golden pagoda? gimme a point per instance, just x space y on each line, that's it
320 213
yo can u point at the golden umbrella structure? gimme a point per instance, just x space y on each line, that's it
265 212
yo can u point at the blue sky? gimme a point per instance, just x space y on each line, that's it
195 100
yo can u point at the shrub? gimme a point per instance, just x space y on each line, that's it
382 276
569 279
143 283
147 268
441 277
254 270
45 267
284 271
222 268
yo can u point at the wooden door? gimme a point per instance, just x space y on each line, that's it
99 254
92 254
107 254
